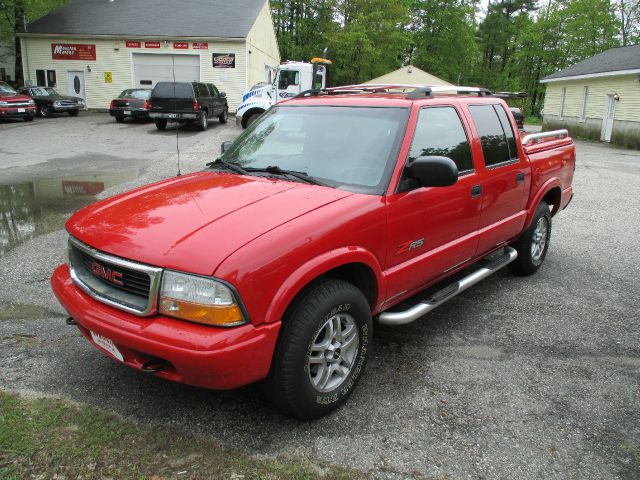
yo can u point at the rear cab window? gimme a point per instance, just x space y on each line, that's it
173 90
496 134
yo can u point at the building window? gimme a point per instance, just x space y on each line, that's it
563 95
40 78
585 99
51 78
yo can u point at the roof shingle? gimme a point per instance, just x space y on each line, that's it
160 18
613 60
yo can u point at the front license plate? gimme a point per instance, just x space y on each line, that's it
107 344
127 112
172 115
21 110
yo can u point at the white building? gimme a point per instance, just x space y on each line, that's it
94 49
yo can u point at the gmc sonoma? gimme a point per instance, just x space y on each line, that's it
334 208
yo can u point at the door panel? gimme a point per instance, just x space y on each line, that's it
432 230
75 84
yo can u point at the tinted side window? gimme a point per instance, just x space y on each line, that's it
201 89
508 131
494 141
439 131
213 90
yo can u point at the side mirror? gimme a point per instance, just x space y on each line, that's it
223 94
433 171
225 146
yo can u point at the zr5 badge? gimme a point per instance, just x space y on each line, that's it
410 245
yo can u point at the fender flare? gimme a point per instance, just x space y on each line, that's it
544 189
316 267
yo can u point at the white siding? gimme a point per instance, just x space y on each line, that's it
263 45
112 55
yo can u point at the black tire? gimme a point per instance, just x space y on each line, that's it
203 121
530 259
28 119
224 116
44 111
251 119
120 119
290 386
73 113
161 123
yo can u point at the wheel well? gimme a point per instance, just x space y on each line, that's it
553 197
359 275
248 114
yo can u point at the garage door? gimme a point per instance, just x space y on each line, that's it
149 69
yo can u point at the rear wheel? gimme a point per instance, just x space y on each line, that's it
203 121
224 116
322 350
533 245
161 123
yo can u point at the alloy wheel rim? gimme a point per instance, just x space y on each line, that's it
539 240
333 352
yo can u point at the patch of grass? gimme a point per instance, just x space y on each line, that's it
47 438
532 120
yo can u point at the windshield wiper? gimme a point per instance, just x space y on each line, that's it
230 166
275 170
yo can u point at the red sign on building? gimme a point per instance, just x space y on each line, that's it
181 45
200 46
131 44
73 51
151 44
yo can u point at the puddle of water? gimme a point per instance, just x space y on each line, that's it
41 206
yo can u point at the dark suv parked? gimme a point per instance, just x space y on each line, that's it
187 102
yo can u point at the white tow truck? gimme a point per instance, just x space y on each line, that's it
291 78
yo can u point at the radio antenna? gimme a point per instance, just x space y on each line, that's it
175 109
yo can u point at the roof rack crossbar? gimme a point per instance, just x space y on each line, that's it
416 92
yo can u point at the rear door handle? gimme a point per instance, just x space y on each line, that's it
520 177
476 191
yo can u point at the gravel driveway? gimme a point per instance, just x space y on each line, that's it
517 378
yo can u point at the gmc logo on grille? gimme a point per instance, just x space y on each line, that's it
106 273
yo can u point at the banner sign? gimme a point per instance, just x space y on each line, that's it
224 60
181 45
151 44
73 51
131 44
200 46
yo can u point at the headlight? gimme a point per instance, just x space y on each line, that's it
56 104
31 102
199 299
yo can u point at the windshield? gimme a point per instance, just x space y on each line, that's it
43 92
352 148
4 88
143 94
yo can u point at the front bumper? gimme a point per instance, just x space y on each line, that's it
65 108
12 112
199 355
174 116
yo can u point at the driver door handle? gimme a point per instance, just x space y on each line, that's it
476 191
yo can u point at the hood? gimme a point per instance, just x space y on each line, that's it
56 98
14 96
194 222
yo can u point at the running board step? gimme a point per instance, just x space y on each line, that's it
448 292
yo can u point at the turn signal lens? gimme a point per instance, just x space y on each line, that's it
199 299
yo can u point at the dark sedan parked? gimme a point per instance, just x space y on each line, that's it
131 103
49 101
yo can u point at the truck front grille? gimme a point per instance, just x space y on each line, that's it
118 282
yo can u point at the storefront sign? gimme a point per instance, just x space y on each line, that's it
73 51
224 60
200 46
131 44
181 45
151 44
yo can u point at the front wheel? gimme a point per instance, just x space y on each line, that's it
45 111
322 350
29 118
533 245
73 113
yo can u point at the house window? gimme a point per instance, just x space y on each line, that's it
563 96
51 78
585 99
40 78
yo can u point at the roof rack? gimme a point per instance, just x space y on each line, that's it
414 91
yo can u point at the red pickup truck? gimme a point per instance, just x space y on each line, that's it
15 105
334 209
